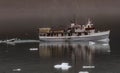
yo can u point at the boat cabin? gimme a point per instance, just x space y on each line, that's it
50 32
73 30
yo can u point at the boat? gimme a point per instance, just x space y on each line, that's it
14 41
75 32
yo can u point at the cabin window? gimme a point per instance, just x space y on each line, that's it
68 34
48 34
88 26
55 34
61 34
51 34
86 33
79 34
42 34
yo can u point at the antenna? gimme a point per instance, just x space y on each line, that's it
74 20
89 21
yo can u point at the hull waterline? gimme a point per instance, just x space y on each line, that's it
91 37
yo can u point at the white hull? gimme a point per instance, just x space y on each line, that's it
19 41
91 37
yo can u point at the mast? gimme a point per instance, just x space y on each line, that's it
74 20
89 21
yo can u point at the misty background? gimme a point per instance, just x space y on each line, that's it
22 18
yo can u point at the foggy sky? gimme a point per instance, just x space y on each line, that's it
18 16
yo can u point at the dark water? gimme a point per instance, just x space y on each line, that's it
20 58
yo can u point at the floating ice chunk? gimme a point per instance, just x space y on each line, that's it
91 43
63 66
83 72
33 49
57 66
17 69
88 66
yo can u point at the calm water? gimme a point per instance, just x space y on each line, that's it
42 57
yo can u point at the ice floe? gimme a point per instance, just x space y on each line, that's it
33 49
18 69
63 66
83 72
88 66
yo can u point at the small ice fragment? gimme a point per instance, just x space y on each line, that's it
88 66
91 43
63 66
17 69
33 49
83 72
57 66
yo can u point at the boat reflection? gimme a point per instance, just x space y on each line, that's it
79 49
79 54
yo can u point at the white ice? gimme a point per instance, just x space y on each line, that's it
88 66
17 69
33 49
63 66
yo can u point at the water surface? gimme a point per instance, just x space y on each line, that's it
41 57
